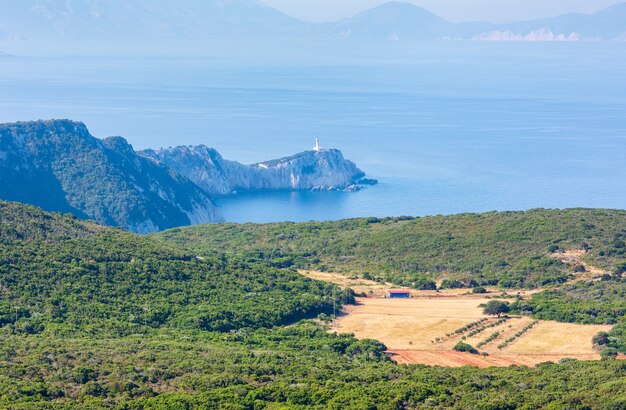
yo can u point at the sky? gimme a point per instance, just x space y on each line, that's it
453 10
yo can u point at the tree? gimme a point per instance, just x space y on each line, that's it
608 353
496 307
553 248
600 339
464 347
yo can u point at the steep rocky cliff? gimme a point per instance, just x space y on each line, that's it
325 169
59 166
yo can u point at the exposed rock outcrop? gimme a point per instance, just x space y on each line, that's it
325 169
59 166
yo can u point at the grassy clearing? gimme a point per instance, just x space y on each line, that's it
549 337
359 285
409 327
408 324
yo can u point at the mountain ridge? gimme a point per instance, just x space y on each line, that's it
399 20
118 19
59 166
186 19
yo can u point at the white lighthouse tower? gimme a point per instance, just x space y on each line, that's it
317 145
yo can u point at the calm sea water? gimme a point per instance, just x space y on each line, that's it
446 128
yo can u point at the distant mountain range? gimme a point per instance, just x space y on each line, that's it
608 24
396 20
59 166
73 19
188 19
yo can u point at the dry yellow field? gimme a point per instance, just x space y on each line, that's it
408 323
558 338
415 330
358 285
376 289
409 328
458 359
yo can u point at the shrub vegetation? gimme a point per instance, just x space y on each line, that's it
508 249
93 317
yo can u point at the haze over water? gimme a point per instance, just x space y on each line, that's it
446 127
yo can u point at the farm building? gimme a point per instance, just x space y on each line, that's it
399 294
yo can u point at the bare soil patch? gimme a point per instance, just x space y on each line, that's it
574 259
458 359
359 285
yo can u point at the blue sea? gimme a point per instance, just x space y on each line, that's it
445 127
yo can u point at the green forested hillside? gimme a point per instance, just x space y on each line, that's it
602 302
94 317
510 249
20 222
77 277
59 166
300 367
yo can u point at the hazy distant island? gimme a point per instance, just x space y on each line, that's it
60 21
59 166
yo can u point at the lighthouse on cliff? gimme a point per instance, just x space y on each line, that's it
317 145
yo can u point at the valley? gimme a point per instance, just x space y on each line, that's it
223 316
421 330
409 330
180 228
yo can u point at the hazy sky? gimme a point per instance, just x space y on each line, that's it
454 10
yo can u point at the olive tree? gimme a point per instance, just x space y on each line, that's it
496 307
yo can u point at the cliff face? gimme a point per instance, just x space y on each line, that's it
59 166
309 170
202 165
326 169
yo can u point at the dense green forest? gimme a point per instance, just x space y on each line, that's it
602 302
111 281
509 249
300 367
94 317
